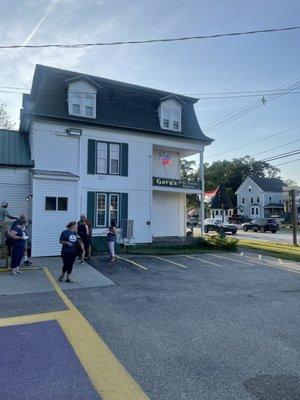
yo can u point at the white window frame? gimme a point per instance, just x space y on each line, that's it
170 114
83 100
104 172
176 117
118 207
56 203
98 209
110 145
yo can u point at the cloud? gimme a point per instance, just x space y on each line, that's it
51 7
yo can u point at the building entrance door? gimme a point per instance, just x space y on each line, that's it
255 212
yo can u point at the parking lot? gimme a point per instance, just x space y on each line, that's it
212 326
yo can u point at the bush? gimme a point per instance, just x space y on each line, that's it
217 243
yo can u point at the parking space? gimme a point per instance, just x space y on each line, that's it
202 326
186 326
185 261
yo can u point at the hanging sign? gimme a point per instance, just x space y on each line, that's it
175 183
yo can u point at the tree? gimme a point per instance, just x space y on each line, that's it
231 173
5 121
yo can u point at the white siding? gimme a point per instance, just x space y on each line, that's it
15 189
53 149
169 171
47 225
168 214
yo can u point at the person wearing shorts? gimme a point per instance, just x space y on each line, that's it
111 238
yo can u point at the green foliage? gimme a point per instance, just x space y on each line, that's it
217 243
231 173
5 121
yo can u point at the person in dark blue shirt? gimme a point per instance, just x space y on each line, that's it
19 237
69 241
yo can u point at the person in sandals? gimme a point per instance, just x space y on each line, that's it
69 242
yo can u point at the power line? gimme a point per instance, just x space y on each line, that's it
251 106
235 92
177 39
184 94
282 155
255 141
287 162
274 148
13 87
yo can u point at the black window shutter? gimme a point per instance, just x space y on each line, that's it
124 206
91 162
91 207
124 158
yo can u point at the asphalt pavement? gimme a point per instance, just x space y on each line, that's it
213 326
278 237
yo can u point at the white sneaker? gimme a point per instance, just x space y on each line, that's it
18 271
14 272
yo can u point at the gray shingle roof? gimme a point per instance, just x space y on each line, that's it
119 104
53 173
14 149
269 184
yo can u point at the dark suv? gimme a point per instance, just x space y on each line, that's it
236 219
263 225
213 224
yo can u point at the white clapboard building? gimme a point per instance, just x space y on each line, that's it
107 149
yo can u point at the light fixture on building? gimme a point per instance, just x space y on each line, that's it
74 132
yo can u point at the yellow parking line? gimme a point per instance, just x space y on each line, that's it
22 269
133 263
201 259
105 371
32 318
171 262
107 374
230 259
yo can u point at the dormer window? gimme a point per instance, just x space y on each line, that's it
82 104
170 113
82 96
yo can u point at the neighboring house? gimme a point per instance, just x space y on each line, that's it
260 197
110 150
218 202
15 161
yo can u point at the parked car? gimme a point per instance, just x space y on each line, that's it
236 219
214 224
262 224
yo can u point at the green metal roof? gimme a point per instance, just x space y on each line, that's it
15 149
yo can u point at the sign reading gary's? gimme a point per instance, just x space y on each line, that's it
176 183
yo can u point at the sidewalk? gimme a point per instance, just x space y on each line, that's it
34 280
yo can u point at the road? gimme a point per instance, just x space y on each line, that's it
278 237
215 326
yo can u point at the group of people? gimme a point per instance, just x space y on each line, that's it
16 238
76 241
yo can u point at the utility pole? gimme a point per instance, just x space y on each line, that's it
294 215
201 179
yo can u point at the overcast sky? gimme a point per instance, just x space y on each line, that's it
246 63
